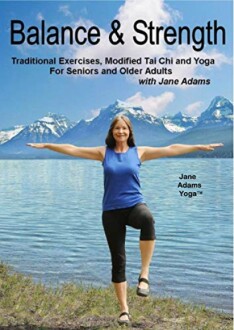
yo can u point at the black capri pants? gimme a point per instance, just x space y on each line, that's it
114 223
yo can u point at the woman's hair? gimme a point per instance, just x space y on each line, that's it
110 141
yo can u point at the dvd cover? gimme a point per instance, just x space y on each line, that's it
68 68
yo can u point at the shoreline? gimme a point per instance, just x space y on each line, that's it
27 305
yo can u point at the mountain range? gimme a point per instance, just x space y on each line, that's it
215 124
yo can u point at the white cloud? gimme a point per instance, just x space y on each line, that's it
161 15
129 12
40 17
155 105
197 62
194 109
65 10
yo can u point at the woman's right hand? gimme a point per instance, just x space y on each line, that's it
37 145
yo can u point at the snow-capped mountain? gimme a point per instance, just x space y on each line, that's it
179 122
9 133
215 124
46 129
147 128
219 112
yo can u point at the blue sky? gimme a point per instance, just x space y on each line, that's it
29 92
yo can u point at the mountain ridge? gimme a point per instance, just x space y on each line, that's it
214 124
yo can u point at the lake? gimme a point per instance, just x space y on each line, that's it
50 225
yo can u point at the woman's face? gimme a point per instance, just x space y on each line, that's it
121 131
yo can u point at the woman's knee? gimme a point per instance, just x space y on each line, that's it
147 225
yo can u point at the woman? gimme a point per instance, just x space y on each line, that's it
123 203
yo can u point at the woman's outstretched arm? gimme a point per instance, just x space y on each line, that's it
148 153
95 153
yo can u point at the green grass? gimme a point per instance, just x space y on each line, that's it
28 305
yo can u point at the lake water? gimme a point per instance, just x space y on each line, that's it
50 226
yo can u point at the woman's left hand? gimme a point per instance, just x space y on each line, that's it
210 147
